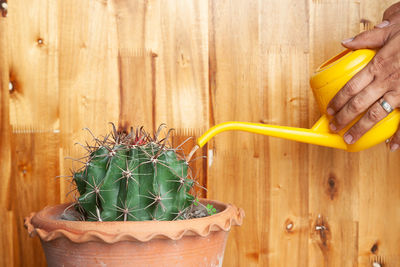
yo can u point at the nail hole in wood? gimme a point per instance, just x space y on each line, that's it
4 8
289 225
10 87
40 41
322 230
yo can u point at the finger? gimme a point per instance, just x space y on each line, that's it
371 39
390 11
349 90
375 114
358 104
385 63
395 142
387 59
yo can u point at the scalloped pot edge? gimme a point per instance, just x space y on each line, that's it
46 225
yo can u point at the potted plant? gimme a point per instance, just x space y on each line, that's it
135 208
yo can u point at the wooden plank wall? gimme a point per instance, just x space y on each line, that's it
66 65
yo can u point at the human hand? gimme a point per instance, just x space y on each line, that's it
379 81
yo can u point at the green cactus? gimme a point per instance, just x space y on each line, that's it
133 177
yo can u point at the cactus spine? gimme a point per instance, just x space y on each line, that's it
133 177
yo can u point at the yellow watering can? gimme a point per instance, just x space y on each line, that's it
328 79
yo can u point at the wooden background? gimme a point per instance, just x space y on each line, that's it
70 64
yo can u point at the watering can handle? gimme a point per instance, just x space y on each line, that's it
317 135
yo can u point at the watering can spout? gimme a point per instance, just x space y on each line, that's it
316 135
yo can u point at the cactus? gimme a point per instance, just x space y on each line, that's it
133 177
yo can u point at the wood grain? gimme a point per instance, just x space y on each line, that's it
284 52
192 64
6 214
379 184
333 175
235 95
32 59
88 77
182 64
34 155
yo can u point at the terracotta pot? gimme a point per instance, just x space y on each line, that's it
195 242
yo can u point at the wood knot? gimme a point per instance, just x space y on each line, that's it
332 189
374 247
331 182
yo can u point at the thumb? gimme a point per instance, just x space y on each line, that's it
375 38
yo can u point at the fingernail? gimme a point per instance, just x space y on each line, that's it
383 24
330 111
394 147
348 139
332 126
345 41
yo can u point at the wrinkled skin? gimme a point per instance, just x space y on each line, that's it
379 79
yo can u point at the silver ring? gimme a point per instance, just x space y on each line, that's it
386 106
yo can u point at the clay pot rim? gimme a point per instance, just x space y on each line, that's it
49 229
